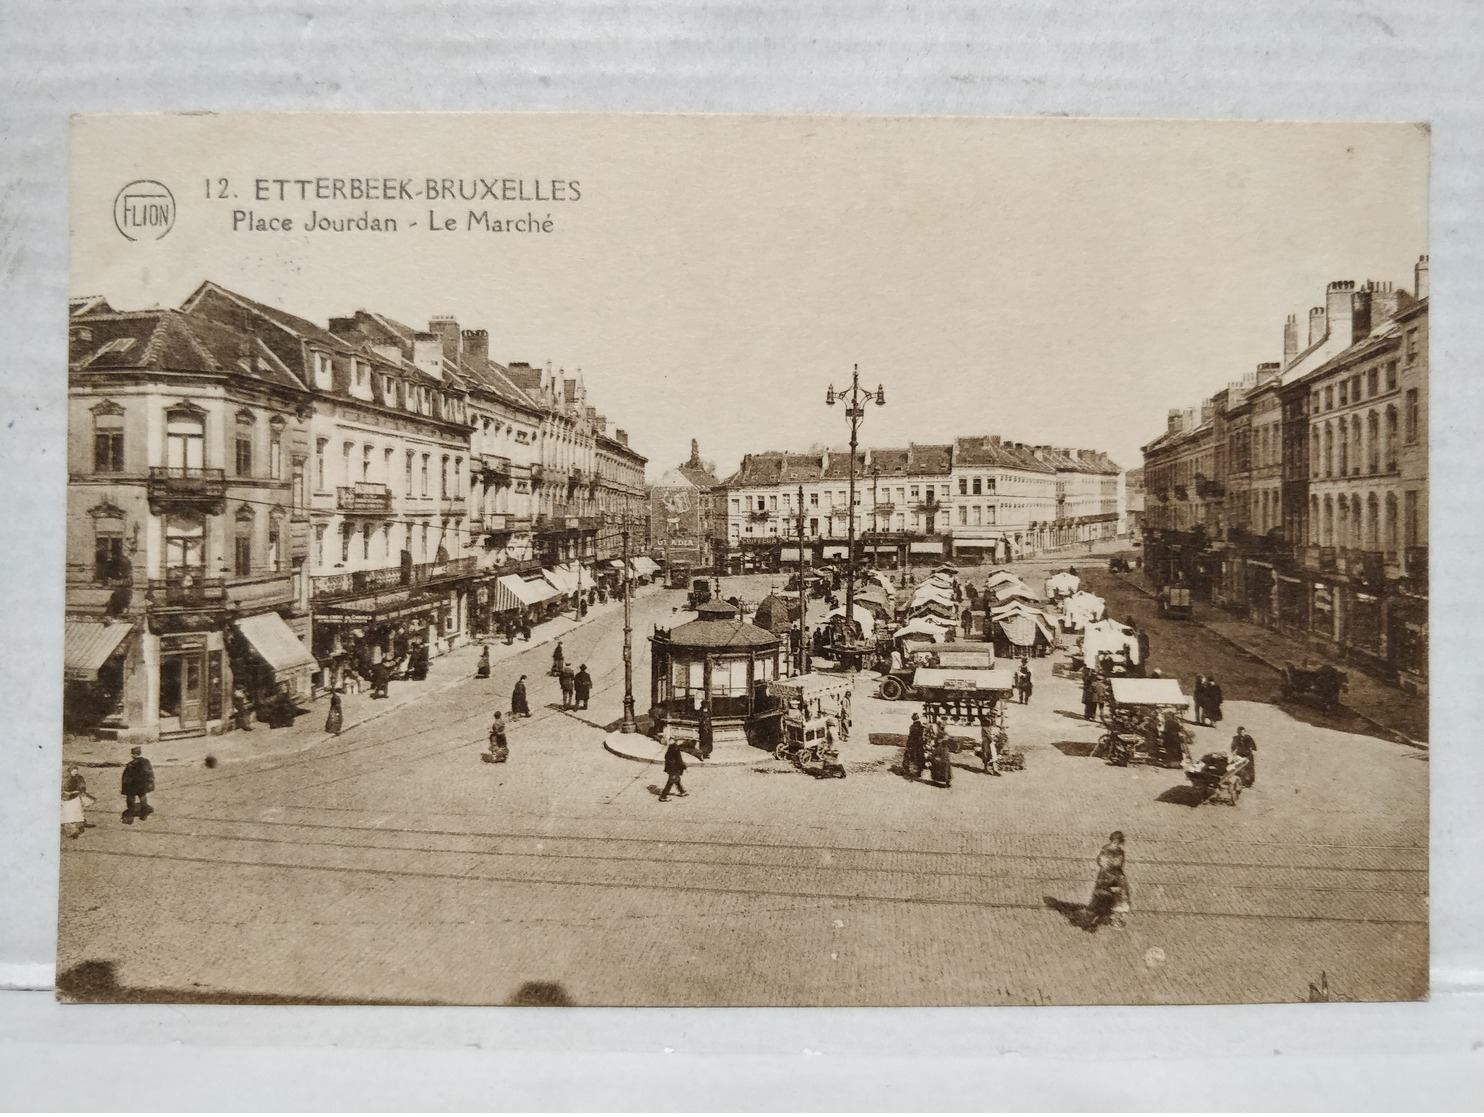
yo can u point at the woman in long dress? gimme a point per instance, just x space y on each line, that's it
1110 892
74 792
483 670
336 717
520 705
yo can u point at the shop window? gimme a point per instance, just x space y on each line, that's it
108 441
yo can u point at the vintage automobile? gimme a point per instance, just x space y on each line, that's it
899 683
700 593
1320 685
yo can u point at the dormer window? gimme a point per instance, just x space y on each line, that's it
323 369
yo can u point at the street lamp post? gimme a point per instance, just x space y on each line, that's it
628 725
855 398
803 594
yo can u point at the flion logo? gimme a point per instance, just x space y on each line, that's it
144 210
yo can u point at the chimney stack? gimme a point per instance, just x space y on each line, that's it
1317 326
447 329
1290 339
1419 277
427 354
621 437
1339 311
477 345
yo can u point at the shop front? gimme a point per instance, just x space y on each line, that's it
94 656
271 658
353 636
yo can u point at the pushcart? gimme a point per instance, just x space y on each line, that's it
977 698
1217 778
812 703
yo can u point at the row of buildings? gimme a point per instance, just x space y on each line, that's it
975 498
256 500
1297 495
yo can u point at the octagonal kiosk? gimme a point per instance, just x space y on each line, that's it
721 666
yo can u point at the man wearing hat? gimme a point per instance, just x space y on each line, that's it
138 781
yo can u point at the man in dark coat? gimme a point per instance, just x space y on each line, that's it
558 658
520 705
1244 746
1143 640
582 686
567 679
1198 698
914 759
136 784
1089 696
704 735
1214 698
674 769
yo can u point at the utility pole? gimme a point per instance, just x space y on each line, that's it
855 411
628 725
875 529
803 595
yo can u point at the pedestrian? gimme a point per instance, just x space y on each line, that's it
336 717
705 736
381 679
914 758
1142 638
1023 683
282 709
499 748
582 686
558 658
1214 698
74 798
942 766
987 749
136 784
241 710
1099 694
567 679
1172 741
1244 746
525 629
674 769
520 705
1198 699
483 670
1089 695
1110 892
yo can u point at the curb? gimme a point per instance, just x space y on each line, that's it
1396 734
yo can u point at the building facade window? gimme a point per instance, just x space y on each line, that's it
185 440
242 542
320 445
366 462
410 456
426 457
108 548
275 542
244 443
1414 415
108 442
185 543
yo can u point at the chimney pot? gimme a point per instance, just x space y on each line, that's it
1419 277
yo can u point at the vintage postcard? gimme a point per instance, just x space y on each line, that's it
710 561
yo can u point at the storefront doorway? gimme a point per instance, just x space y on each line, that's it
190 685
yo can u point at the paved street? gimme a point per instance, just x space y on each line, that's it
389 864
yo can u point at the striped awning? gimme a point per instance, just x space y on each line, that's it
562 579
88 646
276 643
514 592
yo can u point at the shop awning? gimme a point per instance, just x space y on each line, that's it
514 592
562 579
926 548
88 646
834 552
276 643
645 566
617 564
788 554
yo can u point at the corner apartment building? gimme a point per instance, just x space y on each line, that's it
1312 518
187 540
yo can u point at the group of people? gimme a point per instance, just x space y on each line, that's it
136 784
577 686
1207 699
927 750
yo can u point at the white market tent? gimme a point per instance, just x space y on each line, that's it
1062 584
1110 637
921 627
863 616
1083 609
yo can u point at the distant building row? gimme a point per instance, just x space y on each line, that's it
976 498
1297 495
255 500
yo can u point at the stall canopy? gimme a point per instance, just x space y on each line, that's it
811 687
920 627
275 643
1022 624
1110 637
776 613
1005 591
999 577
883 581
514 592
1083 608
88 646
1062 584
1148 692
963 678
863 616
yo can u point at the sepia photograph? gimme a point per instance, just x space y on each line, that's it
703 561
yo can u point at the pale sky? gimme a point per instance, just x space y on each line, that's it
1051 281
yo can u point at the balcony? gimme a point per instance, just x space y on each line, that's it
494 466
187 587
364 498
175 488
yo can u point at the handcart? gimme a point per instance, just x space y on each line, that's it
1144 718
812 703
1217 778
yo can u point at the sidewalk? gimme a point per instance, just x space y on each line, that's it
1399 714
259 743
